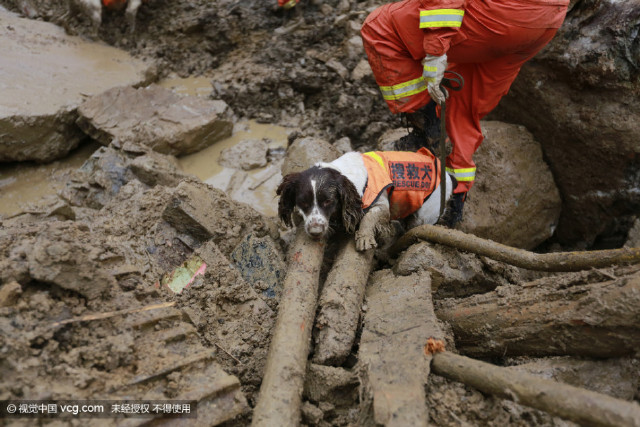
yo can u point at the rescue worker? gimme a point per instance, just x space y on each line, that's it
410 44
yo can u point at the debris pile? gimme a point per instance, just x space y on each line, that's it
139 281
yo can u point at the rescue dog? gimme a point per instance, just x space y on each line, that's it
361 194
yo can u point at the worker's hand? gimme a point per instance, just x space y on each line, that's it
433 72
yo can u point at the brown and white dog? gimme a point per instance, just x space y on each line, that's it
350 194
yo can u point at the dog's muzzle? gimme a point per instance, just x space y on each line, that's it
316 227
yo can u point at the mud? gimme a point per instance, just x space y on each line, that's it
112 233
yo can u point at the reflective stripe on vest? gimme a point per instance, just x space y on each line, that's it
403 90
441 18
468 174
289 4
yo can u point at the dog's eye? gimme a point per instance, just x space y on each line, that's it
327 203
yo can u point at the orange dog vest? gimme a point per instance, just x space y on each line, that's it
408 177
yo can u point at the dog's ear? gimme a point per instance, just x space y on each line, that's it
287 192
352 212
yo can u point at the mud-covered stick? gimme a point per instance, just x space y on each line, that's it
586 320
582 406
556 261
340 304
280 396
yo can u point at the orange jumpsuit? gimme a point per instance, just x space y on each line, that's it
408 177
486 41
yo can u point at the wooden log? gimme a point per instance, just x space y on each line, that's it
280 396
597 320
398 321
572 403
340 304
556 261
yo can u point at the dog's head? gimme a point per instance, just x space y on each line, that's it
323 198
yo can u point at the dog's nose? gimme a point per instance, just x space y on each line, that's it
316 228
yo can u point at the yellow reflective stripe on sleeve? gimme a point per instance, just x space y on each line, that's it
441 18
403 90
375 156
289 4
468 174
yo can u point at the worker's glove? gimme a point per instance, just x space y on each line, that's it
433 73
453 213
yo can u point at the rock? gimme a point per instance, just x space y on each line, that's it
69 255
386 141
514 200
206 213
353 48
311 414
261 264
362 70
98 180
157 169
155 117
337 66
305 152
633 239
9 294
246 155
589 139
46 76
328 383
454 273
343 145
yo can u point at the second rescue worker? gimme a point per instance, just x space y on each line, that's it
410 44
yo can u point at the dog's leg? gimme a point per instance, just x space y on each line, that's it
374 222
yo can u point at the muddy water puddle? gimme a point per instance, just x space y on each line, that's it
25 183
256 187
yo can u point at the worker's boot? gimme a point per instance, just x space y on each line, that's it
425 132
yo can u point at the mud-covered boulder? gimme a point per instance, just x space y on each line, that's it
155 117
305 152
246 155
46 75
206 213
62 253
579 97
514 200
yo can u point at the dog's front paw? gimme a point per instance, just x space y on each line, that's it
365 241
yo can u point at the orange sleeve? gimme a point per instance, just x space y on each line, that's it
440 21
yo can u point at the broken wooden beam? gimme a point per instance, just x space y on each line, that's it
596 320
340 304
582 406
555 261
280 396
398 321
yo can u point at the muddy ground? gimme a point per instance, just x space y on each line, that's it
130 225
